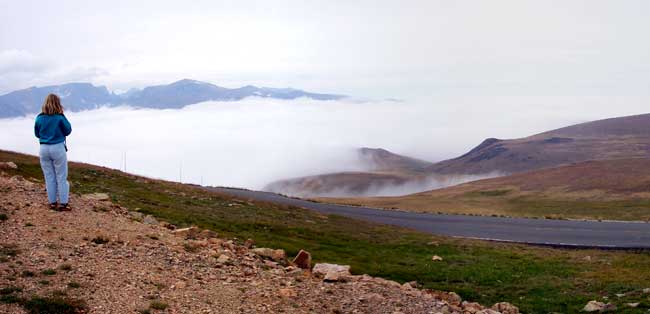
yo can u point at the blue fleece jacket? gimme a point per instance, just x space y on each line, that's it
52 129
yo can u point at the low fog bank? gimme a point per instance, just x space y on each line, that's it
344 185
253 142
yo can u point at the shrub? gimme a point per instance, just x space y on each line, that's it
74 285
48 272
65 267
28 273
158 305
54 305
100 240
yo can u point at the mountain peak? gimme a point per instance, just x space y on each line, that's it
84 96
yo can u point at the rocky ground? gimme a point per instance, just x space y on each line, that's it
103 258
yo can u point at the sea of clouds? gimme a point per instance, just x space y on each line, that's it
253 142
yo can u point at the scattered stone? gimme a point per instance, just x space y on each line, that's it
505 308
150 220
587 258
96 197
249 243
287 293
179 285
223 258
636 304
620 295
646 290
595 306
436 258
8 165
302 260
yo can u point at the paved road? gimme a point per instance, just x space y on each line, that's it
613 235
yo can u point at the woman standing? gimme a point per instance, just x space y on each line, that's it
51 128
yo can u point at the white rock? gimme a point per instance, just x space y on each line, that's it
97 196
8 165
594 306
331 272
436 258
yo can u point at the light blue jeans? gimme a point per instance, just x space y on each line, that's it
54 162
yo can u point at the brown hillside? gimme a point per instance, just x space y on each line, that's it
624 137
102 258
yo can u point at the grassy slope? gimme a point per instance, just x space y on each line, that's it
608 189
538 280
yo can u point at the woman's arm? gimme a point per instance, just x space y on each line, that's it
66 127
37 129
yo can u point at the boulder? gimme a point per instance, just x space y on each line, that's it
635 304
595 306
331 272
136 216
249 243
505 308
436 258
186 232
471 307
96 197
8 165
276 255
208 234
646 290
302 260
150 220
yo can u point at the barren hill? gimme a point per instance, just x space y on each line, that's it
617 189
624 137
388 174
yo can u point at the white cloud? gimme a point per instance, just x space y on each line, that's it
253 142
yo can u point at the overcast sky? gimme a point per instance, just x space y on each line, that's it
397 49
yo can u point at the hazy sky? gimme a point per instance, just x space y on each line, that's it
399 49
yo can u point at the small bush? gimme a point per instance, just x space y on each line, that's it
48 272
29 224
44 282
158 305
10 290
74 285
100 240
65 267
3 217
10 298
54 305
28 273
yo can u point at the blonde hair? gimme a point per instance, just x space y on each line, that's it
52 105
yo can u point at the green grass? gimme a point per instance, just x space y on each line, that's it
538 280
629 209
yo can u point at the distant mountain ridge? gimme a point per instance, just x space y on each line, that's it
85 96
614 138
609 139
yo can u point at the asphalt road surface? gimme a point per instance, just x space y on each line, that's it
566 233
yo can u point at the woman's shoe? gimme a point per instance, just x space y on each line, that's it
53 206
65 207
